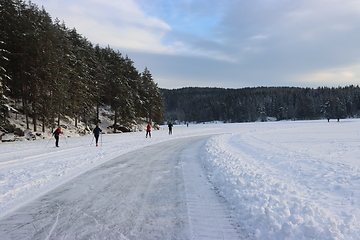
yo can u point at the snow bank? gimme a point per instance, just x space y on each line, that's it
268 198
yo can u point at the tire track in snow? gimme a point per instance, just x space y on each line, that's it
209 217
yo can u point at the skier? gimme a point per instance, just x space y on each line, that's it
97 132
170 128
56 135
148 130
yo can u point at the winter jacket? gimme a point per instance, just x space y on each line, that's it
97 131
57 132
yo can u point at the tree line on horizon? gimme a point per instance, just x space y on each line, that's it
55 73
261 104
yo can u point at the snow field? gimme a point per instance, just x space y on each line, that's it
290 180
282 180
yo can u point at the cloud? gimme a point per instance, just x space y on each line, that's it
342 76
229 43
311 26
120 24
259 37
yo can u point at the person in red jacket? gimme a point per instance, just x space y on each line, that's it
148 130
56 135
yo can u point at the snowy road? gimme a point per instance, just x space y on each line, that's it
282 180
157 192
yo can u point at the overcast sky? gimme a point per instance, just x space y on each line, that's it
227 43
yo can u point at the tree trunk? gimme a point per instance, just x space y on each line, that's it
27 119
26 113
43 125
34 122
97 113
115 121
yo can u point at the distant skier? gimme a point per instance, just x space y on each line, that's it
56 135
148 130
170 128
97 132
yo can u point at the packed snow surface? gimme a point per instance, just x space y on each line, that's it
281 180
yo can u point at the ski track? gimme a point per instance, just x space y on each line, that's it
36 158
55 223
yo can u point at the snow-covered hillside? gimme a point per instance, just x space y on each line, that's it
282 180
16 129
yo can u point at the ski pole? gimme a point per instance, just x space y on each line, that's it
92 140
101 139
48 142
66 141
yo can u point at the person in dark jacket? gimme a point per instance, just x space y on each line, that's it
97 132
56 135
170 128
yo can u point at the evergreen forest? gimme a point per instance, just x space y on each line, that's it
261 104
54 73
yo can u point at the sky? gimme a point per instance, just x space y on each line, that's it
228 43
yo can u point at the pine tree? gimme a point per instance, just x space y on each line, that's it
151 98
99 73
4 111
6 18
80 93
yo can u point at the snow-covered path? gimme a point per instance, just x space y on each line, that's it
156 192
28 169
282 180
